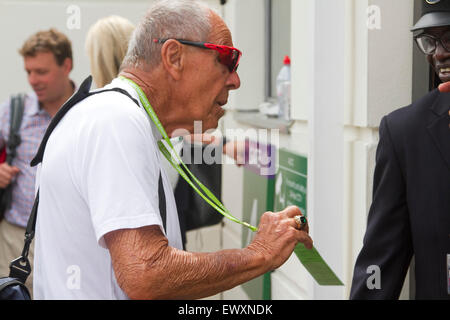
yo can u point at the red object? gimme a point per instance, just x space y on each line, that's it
228 56
444 87
3 155
287 60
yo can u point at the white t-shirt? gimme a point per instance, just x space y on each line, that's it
99 173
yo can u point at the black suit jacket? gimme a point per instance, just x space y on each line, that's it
410 213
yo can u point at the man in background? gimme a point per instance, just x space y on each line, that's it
410 213
47 57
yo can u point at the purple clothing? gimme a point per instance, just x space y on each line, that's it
34 124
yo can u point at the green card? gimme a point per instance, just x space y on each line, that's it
316 266
291 189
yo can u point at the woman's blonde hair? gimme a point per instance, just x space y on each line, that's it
106 45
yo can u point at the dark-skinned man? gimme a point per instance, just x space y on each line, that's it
410 213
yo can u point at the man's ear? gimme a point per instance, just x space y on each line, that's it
172 57
67 65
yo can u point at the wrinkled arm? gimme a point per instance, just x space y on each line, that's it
154 270
146 267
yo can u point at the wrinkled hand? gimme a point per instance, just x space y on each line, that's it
277 236
445 87
7 173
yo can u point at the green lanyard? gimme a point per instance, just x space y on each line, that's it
175 160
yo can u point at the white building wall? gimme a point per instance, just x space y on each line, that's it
19 19
345 76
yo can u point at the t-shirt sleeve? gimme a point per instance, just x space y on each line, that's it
120 169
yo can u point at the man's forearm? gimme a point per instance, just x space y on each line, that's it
158 271
197 275
146 267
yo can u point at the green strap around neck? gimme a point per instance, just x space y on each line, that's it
167 149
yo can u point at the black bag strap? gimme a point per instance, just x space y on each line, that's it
81 94
14 140
15 121
20 268
162 202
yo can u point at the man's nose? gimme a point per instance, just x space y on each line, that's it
32 78
441 53
233 82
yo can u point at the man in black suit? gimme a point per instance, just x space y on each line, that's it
410 213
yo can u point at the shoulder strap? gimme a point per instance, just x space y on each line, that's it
15 120
81 94
162 202
20 268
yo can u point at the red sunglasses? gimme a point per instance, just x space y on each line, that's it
228 56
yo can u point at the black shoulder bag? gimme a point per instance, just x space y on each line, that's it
13 287
15 120
193 211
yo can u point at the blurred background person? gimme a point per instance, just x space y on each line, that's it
106 46
47 57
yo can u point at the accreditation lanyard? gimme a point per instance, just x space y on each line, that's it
174 159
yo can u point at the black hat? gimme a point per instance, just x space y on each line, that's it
435 13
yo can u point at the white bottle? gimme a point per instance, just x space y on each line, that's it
284 90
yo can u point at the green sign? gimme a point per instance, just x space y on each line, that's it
291 181
291 190
259 188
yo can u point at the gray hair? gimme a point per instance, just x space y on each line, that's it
167 19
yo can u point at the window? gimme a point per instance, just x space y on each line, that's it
278 40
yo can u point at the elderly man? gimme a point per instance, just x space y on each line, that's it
411 203
101 231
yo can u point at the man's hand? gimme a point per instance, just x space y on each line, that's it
203 138
142 257
277 236
236 150
445 87
7 173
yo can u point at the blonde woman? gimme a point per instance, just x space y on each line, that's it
106 46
